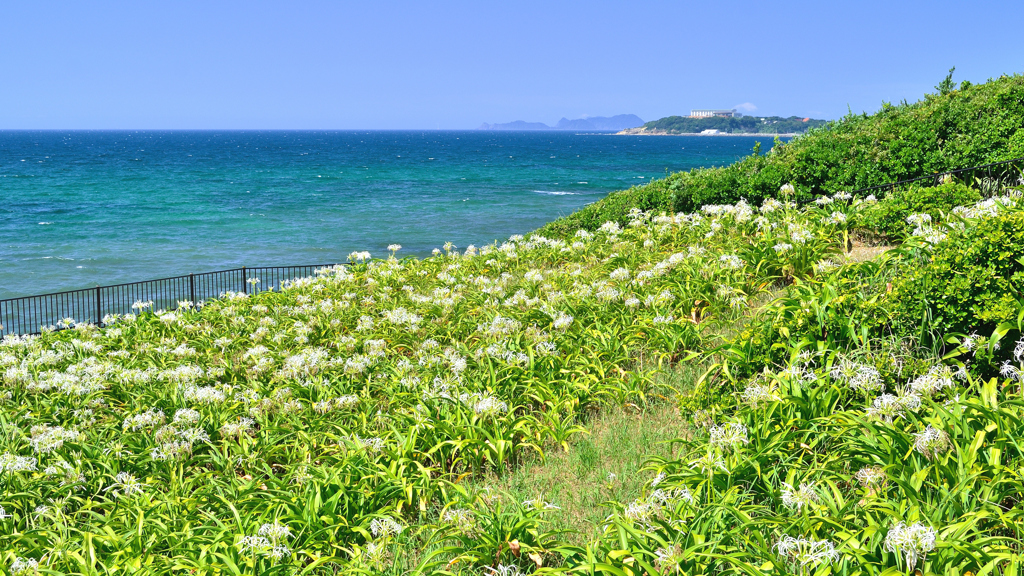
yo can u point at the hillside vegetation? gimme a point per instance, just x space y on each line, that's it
741 124
842 416
968 126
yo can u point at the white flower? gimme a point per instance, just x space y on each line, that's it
1008 370
919 219
836 218
47 438
757 393
708 463
275 532
799 234
873 476
484 404
394 247
460 518
187 416
731 261
729 436
504 570
937 378
14 463
24 567
798 497
804 551
619 274
125 484
148 419
859 376
888 407
931 442
911 543
385 527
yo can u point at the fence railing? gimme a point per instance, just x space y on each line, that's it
26 315
996 171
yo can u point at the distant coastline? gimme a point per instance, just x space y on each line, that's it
726 125
644 132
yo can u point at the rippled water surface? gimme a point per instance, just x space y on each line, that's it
83 208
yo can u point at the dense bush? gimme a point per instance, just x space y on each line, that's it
974 125
889 216
973 284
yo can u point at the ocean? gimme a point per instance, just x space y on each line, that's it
86 208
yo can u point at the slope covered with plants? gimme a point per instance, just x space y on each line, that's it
969 125
740 124
865 419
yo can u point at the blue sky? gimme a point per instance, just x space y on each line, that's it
453 65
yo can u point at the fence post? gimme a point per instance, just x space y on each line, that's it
192 289
99 307
245 284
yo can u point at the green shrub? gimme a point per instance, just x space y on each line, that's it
973 282
889 216
974 125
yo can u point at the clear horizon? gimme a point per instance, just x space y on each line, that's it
456 65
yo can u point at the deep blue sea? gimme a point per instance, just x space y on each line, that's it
84 208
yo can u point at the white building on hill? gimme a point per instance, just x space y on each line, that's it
712 113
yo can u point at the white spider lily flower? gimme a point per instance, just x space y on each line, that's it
504 570
871 476
757 393
275 532
385 527
911 543
858 376
798 498
14 463
461 518
931 442
125 484
708 463
730 435
1008 370
24 567
731 261
937 378
888 407
807 552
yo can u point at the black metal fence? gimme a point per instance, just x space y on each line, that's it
26 315
1003 173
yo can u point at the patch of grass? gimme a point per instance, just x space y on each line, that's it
607 465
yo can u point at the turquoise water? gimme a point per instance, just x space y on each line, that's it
84 208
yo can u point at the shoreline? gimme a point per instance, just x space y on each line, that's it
636 132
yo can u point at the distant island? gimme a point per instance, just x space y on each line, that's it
603 123
723 124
